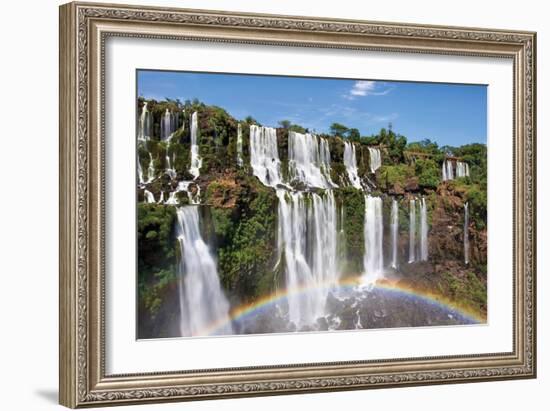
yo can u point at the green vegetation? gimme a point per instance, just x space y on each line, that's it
245 237
239 217
354 215
391 176
157 257
467 291
428 172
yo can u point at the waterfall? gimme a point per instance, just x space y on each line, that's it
325 251
394 232
423 231
201 298
140 171
149 198
350 161
412 230
450 171
145 123
239 145
308 236
183 186
264 156
466 237
307 222
462 169
447 170
375 159
150 169
169 170
196 160
167 125
309 160
373 260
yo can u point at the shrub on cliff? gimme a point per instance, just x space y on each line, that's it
428 172
391 176
156 255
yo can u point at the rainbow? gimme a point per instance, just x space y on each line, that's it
244 310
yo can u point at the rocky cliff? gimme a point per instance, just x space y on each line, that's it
239 214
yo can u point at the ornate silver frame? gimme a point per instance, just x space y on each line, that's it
84 28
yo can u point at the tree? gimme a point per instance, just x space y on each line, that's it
250 120
285 124
354 134
337 129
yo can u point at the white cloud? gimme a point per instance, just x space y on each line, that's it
362 88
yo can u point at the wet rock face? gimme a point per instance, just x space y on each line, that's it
446 238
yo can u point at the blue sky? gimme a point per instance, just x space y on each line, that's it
450 114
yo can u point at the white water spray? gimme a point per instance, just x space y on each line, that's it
264 156
239 145
140 171
350 162
375 159
462 169
201 298
148 196
394 232
309 160
167 125
308 237
150 169
450 170
196 160
145 124
373 261
412 230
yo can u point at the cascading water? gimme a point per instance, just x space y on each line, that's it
412 230
309 160
423 230
373 261
375 159
447 170
308 237
150 169
264 156
196 160
149 198
462 169
169 168
239 145
394 232
184 186
145 123
167 125
140 171
465 234
350 161
201 298
450 171
307 225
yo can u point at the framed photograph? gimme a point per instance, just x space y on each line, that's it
260 204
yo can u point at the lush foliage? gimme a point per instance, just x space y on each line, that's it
239 219
157 253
